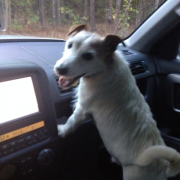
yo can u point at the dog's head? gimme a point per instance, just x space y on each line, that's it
86 54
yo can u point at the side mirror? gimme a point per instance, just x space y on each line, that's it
2 16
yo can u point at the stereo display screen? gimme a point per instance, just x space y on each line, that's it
17 99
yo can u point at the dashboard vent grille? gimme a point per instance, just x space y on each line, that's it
61 91
137 67
127 52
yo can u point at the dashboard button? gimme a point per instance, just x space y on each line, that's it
42 137
23 161
21 146
28 138
34 140
5 146
45 157
40 132
30 142
29 158
13 143
24 173
12 150
45 131
30 170
21 140
5 153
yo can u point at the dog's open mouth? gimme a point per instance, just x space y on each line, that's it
66 82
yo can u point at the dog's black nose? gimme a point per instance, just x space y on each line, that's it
62 70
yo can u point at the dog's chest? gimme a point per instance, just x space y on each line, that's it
85 94
111 133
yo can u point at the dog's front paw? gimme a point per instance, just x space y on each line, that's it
61 131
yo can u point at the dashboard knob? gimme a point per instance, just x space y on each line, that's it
45 157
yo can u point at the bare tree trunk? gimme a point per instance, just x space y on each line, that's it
9 14
110 17
6 11
162 1
156 4
92 15
118 7
42 14
53 12
85 11
139 15
146 12
13 10
58 12
25 12
36 7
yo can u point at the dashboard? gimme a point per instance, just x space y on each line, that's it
28 138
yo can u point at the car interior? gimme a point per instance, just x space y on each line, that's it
29 144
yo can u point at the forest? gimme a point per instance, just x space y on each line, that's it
53 18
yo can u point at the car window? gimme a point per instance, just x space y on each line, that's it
53 18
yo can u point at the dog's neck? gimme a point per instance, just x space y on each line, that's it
109 62
115 75
93 75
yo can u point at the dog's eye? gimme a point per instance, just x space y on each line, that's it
87 56
70 45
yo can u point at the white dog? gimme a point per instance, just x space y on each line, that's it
108 91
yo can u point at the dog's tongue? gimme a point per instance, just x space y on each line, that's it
65 82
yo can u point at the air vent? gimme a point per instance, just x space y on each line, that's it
137 67
61 91
127 52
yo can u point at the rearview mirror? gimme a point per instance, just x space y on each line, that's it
2 16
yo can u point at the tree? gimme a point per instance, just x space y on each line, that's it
85 11
110 17
92 15
7 13
140 13
58 12
156 4
35 6
126 12
42 14
25 12
13 9
105 15
118 7
54 12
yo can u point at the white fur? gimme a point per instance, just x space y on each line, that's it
109 93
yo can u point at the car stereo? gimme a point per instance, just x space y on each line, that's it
24 108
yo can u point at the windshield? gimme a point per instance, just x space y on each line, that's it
53 18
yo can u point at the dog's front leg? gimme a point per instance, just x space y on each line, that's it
72 123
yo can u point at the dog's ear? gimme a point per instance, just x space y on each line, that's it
111 42
74 30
